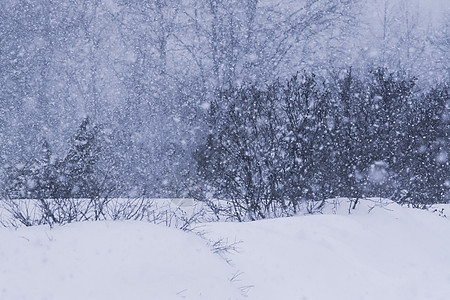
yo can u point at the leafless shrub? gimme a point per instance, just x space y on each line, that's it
440 211
32 212
313 207
15 214
222 246
379 203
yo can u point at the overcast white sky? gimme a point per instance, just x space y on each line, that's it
436 8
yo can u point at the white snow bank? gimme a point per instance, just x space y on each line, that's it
379 251
110 260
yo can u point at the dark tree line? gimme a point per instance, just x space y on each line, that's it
270 150
148 69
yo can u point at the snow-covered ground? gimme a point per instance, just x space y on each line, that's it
379 251
110 260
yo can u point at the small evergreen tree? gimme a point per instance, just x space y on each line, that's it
78 176
75 176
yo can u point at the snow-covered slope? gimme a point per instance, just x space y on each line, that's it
379 251
110 260
391 252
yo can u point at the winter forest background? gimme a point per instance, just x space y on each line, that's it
265 103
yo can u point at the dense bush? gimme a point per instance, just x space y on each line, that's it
270 150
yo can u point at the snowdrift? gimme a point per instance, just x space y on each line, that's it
379 251
110 260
